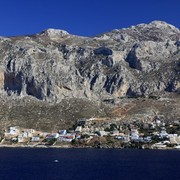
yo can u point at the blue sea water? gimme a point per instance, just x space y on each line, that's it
88 164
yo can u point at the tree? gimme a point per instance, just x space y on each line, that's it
113 127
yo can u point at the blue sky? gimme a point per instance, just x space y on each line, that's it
83 17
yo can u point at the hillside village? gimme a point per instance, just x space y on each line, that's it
99 133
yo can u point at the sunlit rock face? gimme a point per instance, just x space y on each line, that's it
55 65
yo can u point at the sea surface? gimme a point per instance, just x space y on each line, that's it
88 164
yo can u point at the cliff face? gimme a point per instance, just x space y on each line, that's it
54 65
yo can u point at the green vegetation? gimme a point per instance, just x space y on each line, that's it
14 141
173 129
85 136
154 97
111 128
51 141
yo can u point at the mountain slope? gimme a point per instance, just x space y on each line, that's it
52 66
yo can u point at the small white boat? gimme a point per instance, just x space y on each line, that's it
56 160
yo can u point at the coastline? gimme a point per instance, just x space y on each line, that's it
32 146
76 147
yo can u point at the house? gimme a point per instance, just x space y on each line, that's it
147 139
35 139
13 131
52 136
30 131
82 121
78 135
85 129
63 132
120 138
55 135
44 134
67 138
22 139
78 129
123 137
126 138
91 129
158 122
163 134
152 126
25 134
174 138
102 133
134 134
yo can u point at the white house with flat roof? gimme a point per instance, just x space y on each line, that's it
13 131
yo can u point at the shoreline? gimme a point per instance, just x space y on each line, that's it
73 147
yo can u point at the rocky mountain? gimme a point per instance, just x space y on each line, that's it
54 66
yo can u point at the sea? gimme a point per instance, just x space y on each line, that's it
88 164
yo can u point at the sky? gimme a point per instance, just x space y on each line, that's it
83 17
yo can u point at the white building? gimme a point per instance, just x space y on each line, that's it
67 138
163 134
78 129
13 131
22 139
52 136
134 134
103 133
174 138
35 139
63 132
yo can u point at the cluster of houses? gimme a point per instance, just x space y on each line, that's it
17 134
153 133
20 135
